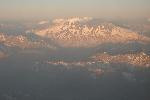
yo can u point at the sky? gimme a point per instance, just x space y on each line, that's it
34 9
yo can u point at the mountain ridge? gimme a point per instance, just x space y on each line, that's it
78 32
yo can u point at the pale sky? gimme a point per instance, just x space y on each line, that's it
32 9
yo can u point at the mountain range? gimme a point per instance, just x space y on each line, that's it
86 32
77 33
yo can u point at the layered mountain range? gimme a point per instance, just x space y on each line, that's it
86 32
81 43
80 32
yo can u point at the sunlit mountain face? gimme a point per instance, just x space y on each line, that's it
87 32
78 58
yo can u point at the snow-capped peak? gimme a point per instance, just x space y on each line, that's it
72 20
80 32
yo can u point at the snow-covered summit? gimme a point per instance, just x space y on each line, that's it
72 20
78 32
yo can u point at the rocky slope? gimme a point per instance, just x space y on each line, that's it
80 32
